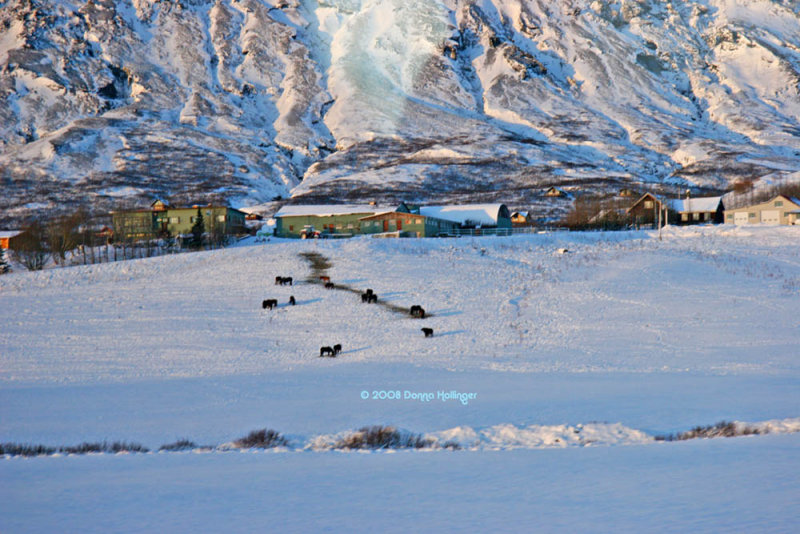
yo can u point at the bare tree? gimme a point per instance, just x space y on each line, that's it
30 247
62 235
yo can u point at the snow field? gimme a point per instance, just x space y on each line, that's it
595 352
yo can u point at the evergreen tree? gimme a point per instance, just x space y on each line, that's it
4 267
198 229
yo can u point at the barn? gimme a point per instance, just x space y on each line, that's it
408 225
779 210
330 220
472 215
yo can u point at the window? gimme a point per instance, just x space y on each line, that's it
695 216
751 215
349 226
648 203
174 220
684 217
338 226
778 203
706 216
418 221
730 216
291 227
221 218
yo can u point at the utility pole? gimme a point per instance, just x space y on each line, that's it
659 221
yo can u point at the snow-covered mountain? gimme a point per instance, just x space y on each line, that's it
110 101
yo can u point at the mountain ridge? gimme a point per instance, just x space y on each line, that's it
111 103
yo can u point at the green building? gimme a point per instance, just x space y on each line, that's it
162 219
352 220
331 220
407 225
403 221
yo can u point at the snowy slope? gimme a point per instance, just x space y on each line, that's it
421 100
576 361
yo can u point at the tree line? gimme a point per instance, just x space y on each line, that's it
75 239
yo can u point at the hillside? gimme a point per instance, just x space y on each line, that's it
112 102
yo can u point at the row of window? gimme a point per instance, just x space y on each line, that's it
752 215
696 216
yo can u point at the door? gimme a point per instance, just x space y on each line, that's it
385 225
740 217
770 217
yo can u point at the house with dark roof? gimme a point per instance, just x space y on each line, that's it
696 210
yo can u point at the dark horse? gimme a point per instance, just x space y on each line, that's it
327 351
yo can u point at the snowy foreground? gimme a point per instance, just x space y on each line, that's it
565 368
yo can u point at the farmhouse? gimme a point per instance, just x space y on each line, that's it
7 238
779 210
161 219
555 192
679 211
645 210
696 210
520 218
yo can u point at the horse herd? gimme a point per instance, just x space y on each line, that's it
368 297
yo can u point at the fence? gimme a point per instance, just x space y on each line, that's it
477 232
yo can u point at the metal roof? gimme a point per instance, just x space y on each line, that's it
323 210
478 213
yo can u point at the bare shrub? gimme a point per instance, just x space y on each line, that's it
25 449
723 429
115 447
180 445
382 437
262 439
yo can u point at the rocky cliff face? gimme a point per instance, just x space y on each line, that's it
112 101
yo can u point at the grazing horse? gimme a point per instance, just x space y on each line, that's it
337 349
278 280
326 351
372 298
286 280
365 297
328 285
368 292
269 303
417 311
291 300
427 331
